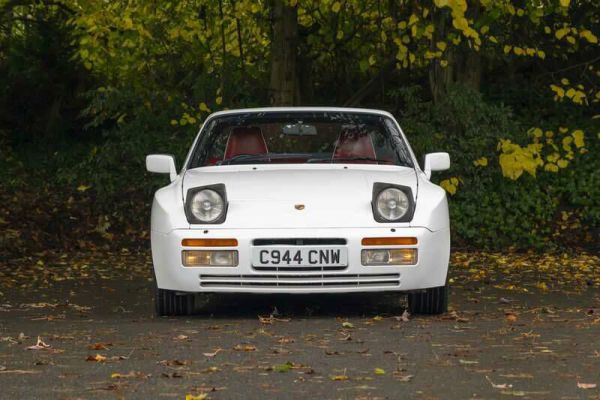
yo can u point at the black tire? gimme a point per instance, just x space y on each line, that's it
430 301
170 303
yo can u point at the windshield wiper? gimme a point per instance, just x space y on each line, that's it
342 159
244 158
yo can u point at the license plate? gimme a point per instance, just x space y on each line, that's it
304 256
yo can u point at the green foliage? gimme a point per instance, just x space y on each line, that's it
487 209
90 88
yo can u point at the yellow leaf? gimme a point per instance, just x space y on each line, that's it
560 92
219 100
82 188
379 371
482 162
507 49
441 45
536 132
578 136
204 107
589 36
336 7
372 60
412 20
339 378
551 167
562 163
561 33
565 3
448 186
444 63
202 396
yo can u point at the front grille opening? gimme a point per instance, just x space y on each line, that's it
300 281
300 242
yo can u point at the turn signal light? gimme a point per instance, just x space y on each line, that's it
209 242
389 241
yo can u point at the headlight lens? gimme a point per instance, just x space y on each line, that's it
207 205
392 204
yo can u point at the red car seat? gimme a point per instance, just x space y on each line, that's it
351 144
245 140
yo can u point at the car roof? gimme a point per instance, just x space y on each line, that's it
301 109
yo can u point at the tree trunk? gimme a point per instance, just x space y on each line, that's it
464 64
440 77
284 88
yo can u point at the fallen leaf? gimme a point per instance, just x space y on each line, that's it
96 358
403 317
403 378
339 378
498 386
131 374
211 355
282 367
201 396
171 375
586 385
40 345
171 363
379 371
516 393
244 347
511 317
347 324
468 362
99 346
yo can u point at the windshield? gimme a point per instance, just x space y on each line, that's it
300 137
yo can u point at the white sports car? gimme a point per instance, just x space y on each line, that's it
300 200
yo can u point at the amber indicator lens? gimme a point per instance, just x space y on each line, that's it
389 241
209 242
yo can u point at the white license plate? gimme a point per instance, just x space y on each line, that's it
305 256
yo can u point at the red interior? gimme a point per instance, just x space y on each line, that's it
245 140
352 144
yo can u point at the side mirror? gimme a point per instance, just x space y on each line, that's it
161 164
436 162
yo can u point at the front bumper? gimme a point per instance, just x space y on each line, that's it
430 270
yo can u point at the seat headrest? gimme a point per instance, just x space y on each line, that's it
245 140
352 143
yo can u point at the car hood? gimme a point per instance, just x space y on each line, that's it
299 196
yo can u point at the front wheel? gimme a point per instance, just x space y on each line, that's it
430 301
170 303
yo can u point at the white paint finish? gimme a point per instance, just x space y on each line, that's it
333 196
337 204
167 209
162 164
436 162
430 271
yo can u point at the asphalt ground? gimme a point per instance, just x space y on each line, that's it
99 339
